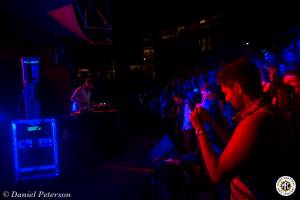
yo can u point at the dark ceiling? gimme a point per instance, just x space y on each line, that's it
151 14
25 17
28 20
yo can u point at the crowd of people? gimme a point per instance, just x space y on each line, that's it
243 118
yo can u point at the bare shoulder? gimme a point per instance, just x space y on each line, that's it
256 120
242 144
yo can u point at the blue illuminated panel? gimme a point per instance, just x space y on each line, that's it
35 148
31 69
31 81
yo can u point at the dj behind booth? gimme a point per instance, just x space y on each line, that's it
48 141
95 124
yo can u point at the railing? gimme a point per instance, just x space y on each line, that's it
94 19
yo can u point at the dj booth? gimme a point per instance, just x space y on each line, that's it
99 130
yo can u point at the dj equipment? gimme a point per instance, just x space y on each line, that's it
105 105
35 148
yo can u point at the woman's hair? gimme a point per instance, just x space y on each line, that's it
295 72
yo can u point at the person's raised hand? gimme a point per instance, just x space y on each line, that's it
195 118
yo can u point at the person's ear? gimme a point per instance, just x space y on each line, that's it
237 88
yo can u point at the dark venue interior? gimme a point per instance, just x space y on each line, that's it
95 95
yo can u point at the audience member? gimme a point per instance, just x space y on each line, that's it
257 153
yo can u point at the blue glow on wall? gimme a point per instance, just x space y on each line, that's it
2 118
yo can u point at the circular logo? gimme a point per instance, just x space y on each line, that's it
285 185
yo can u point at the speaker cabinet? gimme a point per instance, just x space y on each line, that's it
35 148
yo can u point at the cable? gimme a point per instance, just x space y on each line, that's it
21 97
